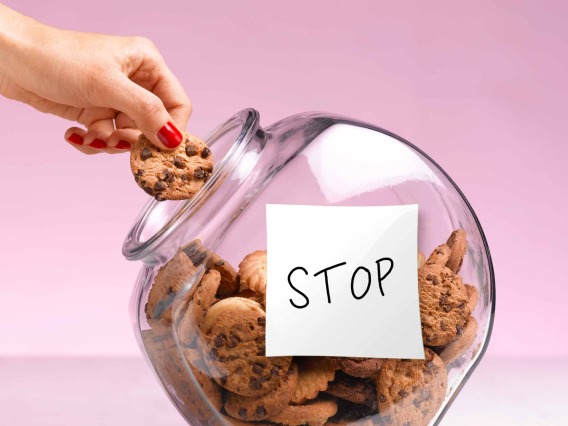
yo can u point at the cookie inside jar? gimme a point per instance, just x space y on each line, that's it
206 340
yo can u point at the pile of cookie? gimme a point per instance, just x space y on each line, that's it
207 342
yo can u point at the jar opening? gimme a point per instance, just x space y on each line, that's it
159 219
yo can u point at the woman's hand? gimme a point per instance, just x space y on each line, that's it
116 87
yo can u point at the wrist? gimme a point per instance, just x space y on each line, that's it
17 34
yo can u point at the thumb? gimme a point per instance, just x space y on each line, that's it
148 113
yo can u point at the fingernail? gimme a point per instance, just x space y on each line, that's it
169 135
98 144
122 145
76 139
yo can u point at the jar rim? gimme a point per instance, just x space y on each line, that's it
136 247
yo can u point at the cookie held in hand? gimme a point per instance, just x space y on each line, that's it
171 175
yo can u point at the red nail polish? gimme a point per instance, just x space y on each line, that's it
98 144
122 145
169 135
76 139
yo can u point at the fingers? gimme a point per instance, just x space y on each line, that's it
171 92
77 138
147 111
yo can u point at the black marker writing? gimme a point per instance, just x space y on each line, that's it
382 277
353 282
326 280
295 289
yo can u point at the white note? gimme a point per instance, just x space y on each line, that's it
342 281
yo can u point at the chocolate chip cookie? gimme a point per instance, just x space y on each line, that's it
443 304
315 375
170 279
410 392
203 297
354 389
262 407
359 367
314 413
458 245
171 175
439 256
234 348
460 344
199 254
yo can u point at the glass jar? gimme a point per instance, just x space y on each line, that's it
191 251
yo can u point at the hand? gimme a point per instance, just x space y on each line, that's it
116 87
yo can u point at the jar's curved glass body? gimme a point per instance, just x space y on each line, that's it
308 159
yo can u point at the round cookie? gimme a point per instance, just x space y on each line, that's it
439 256
472 296
457 242
359 367
461 343
410 392
252 273
199 254
315 413
202 299
173 373
170 279
315 375
443 304
171 175
234 347
262 407
354 389
209 387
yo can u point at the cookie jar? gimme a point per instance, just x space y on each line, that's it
191 282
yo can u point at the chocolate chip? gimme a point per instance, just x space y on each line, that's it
255 384
257 369
447 308
145 154
382 398
233 341
220 263
148 190
239 370
199 174
261 321
190 150
429 277
243 413
179 163
140 172
436 282
443 325
403 393
184 178
424 412
160 186
459 329
167 176
260 412
219 341
205 153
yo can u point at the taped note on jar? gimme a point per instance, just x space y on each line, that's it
343 281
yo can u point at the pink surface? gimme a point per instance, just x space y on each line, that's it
480 87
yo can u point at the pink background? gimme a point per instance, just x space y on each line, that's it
481 87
